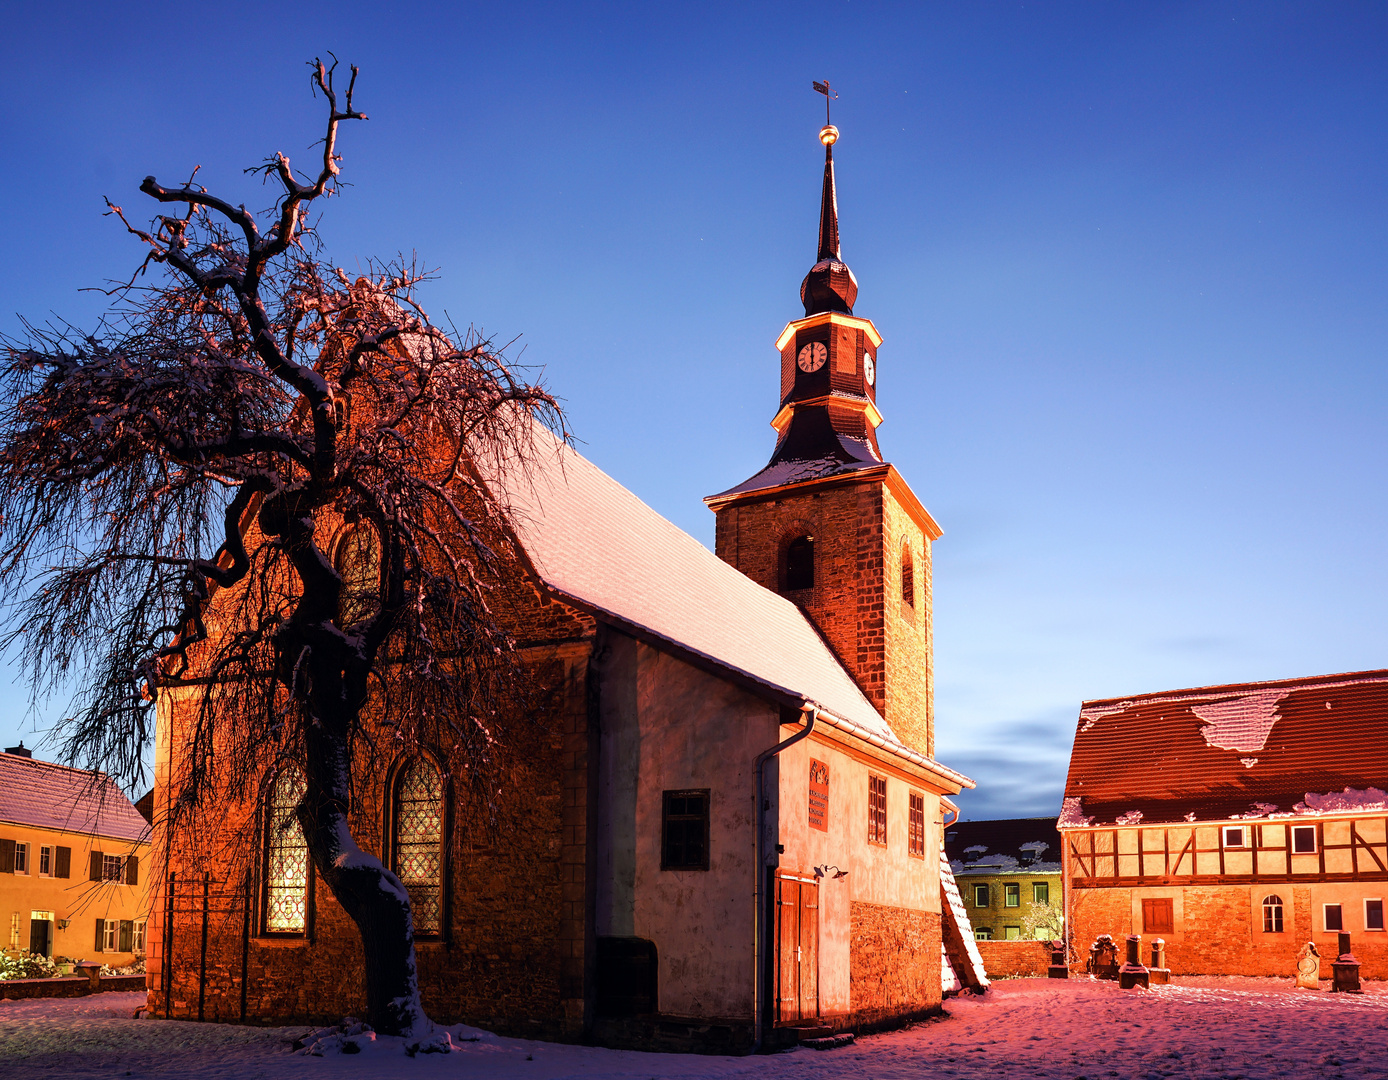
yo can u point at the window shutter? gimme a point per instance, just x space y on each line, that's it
132 870
100 934
6 856
63 864
96 866
127 929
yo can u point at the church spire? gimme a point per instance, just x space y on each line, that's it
830 285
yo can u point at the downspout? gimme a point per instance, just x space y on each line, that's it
759 906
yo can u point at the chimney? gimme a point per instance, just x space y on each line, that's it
19 751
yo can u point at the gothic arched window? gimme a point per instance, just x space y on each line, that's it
358 562
286 857
417 841
908 576
800 563
1272 914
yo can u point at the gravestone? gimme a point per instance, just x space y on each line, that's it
1059 969
1103 958
1158 973
1133 972
1308 967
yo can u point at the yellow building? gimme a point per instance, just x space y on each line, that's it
74 863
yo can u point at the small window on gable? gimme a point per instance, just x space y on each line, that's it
1303 839
1235 836
908 577
800 564
1272 914
358 562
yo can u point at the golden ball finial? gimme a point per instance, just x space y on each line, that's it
828 134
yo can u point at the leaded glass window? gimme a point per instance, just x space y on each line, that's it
286 857
418 842
358 561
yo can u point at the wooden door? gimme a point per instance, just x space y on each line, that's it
38 936
797 947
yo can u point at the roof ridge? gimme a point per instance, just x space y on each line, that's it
1342 678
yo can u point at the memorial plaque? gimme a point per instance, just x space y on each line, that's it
819 795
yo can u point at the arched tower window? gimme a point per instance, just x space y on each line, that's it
358 561
800 563
908 575
1272 914
417 841
286 857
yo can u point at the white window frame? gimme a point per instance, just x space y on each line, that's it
137 937
987 892
1041 885
986 931
1010 890
1012 933
45 861
110 935
1295 829
1244 837
1325 926
21 858
14 930
1381 915
110 861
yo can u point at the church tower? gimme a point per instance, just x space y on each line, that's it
828 523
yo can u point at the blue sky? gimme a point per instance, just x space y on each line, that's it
1128 262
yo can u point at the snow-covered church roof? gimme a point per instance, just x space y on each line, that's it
595 542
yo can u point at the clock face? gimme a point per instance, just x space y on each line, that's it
870 369
812 356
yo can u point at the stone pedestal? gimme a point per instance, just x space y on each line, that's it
1308 967
1346 970
1158 973
1133 972
1059 969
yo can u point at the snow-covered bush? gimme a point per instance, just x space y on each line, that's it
27 966
137 968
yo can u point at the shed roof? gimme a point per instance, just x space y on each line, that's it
47 796
1288 748
594 541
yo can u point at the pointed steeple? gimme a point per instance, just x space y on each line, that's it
830 285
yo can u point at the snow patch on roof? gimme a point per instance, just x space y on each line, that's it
1092 714
1132 817
1334 802
1248 762
1072 815
1242 723
1260 809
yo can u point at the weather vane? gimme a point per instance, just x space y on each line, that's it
829 134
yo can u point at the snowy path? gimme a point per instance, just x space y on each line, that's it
1227 1028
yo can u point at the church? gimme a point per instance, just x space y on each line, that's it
728 831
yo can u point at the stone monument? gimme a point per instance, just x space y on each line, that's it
1308 967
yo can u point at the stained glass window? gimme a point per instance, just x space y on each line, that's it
418 842
359 562
286 857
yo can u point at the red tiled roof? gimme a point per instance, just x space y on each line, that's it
1217 752
50 796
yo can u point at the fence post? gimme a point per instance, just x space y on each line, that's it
202 962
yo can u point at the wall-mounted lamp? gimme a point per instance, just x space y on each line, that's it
62 924
822 871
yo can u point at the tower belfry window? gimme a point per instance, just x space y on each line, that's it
800 563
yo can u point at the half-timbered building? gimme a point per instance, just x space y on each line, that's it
1235 822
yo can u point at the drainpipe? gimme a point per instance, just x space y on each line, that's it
759 906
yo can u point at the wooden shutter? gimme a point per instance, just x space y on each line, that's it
809 949
787 938
6 856
127 932
100 934
132 870
1158 916
62 866
96 866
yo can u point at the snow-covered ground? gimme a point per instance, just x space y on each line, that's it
1038 1029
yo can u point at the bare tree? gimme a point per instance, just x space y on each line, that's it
171 487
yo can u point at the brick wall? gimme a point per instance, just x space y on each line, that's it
1215 931
1015 959
894 964
856 601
